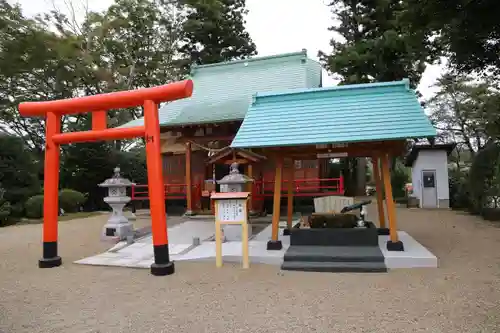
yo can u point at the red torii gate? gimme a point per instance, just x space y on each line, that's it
98 106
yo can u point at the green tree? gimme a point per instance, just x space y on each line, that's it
378 43
465 111
484 182
34 65
84 166
468 30
132 45
5 209
18 173
214 31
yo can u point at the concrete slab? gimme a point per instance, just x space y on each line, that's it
179 234
140 254
415 254
183 233
266 235
231 252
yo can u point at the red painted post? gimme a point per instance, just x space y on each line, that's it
162 264
51 193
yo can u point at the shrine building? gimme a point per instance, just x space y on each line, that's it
197 132
271 114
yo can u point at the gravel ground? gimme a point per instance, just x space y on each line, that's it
463 295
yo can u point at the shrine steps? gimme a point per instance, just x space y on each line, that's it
363 259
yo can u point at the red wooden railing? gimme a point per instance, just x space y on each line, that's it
308 187
172 191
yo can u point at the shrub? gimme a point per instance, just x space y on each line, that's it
70 200
4 208
399 178
459 192
34 207
491 214
401 201
483 181
18 173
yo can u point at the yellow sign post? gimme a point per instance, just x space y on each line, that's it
231 208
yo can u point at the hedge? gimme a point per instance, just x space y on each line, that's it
34 207
69 200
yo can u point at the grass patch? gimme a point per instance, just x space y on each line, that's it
79 215
67 217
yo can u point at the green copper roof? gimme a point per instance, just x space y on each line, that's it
223 91
350 113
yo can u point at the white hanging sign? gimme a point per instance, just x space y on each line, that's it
231 210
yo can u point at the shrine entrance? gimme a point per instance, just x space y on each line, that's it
98 105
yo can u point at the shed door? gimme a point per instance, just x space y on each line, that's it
429 189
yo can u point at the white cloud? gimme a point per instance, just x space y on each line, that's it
276 26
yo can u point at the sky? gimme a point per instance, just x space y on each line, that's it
276 26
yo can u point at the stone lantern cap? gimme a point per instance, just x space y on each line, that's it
116 181
234 176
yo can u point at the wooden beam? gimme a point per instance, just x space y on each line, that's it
238 160
350 147
219 155
205 138
354 150
275 244
234 125
189 189
250 155
247 156
250 188
391 211
379 188
290 186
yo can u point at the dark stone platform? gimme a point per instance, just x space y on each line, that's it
368 259
335 236
335 267
335 250
334 253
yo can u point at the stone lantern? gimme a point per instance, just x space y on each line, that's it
234 182
118 225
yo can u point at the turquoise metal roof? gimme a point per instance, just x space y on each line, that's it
350 113
223 91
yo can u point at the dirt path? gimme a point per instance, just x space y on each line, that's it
463 295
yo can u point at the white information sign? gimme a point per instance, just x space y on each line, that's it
231 210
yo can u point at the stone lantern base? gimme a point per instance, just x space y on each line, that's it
118 226
117 230
232 232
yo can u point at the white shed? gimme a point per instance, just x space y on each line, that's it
429 174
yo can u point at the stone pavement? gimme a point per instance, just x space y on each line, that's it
140 253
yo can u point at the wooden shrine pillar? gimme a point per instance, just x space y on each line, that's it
290 187
379 188
250 187
189 183
275 243
393 244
